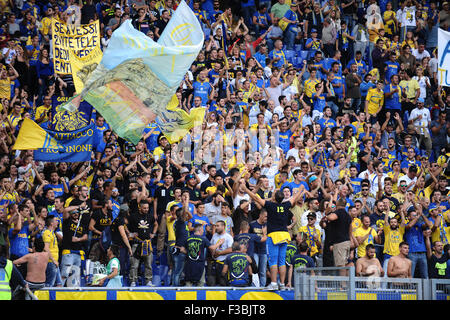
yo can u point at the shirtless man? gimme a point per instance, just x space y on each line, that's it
369 265
36 265
399 266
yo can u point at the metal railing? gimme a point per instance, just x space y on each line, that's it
332 283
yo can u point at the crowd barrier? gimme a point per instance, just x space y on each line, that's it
326 284
163 293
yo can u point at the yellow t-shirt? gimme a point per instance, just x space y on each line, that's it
375 99
392 239
170 204
411 87
361 232
170 230
390 174
50 238
5 88
310 87
14 120
389 25
46 25
356 224
310 232
40 111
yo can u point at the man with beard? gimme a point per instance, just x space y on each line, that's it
143 227
369 265
393 236
75 237
101 218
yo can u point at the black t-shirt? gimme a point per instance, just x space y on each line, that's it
71 228
97 194
101 221
437 268
339 228
88 12
349 9
142 224
161 24
194 194
164 196
278 216
116 238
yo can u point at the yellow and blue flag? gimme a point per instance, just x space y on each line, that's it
54 146
175 123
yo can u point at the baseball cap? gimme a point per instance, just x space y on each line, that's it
311 214
189 177
184 170
312 179
313 30
421 100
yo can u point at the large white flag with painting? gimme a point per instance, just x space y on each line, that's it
137 76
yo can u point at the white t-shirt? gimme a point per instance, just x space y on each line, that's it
238 198
419 56
409 17
228 243
10 56
423 85
426 118
279 111
408 181
275 93
293 152
373 178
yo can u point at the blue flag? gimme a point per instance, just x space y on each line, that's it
71 146
64 120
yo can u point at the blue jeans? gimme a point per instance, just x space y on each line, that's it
52 275
289 38
261 262
419 259
178 267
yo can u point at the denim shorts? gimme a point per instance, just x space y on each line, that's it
276 253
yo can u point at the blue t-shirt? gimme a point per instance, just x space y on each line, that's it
19 242
414 237
356 184
152 140
393 102
249 240
58 189
392 68
284 140
278 53
291 15
256 228
196 219
319 102
238 269
202 90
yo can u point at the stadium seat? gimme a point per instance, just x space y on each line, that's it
298 48
290 55
304 54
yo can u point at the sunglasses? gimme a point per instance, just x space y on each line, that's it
403 185
365 189
311 218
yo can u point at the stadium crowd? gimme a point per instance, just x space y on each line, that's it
325 143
